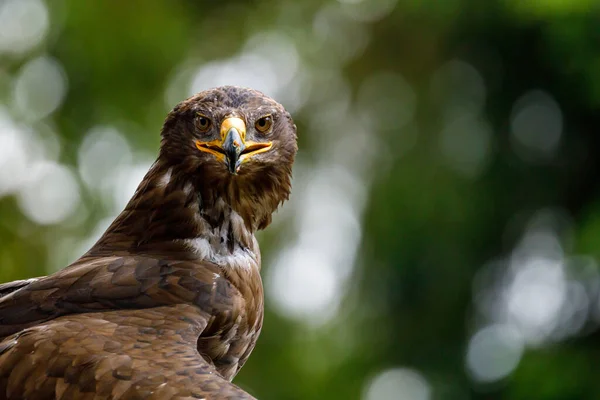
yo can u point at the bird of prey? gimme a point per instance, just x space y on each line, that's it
168 304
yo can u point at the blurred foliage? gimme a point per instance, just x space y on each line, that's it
452 124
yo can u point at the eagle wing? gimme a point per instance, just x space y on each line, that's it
9 287
116 328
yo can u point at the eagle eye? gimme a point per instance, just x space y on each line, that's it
263 124
203 123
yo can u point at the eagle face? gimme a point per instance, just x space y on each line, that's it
230 134
233 145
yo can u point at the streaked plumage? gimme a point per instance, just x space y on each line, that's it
168 304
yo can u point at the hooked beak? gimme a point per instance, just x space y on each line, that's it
232 148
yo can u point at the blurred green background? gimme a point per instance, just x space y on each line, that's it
443 233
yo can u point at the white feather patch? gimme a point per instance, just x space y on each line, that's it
242 259
213 244
164 180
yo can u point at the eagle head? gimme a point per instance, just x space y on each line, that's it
233 144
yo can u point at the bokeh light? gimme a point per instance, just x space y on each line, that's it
13 154
23 25
50 195
459 88
309 276
494 352
536 125
398 384
535 297
40 88
441 239
466 145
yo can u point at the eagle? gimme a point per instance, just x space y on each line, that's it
168 304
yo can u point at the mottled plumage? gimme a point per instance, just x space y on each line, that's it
168 304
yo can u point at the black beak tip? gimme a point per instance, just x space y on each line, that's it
232 165
233 147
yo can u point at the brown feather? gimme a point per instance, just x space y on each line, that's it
169 302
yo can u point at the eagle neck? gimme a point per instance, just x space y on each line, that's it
169 216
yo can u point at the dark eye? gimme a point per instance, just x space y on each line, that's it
203 123
264 124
